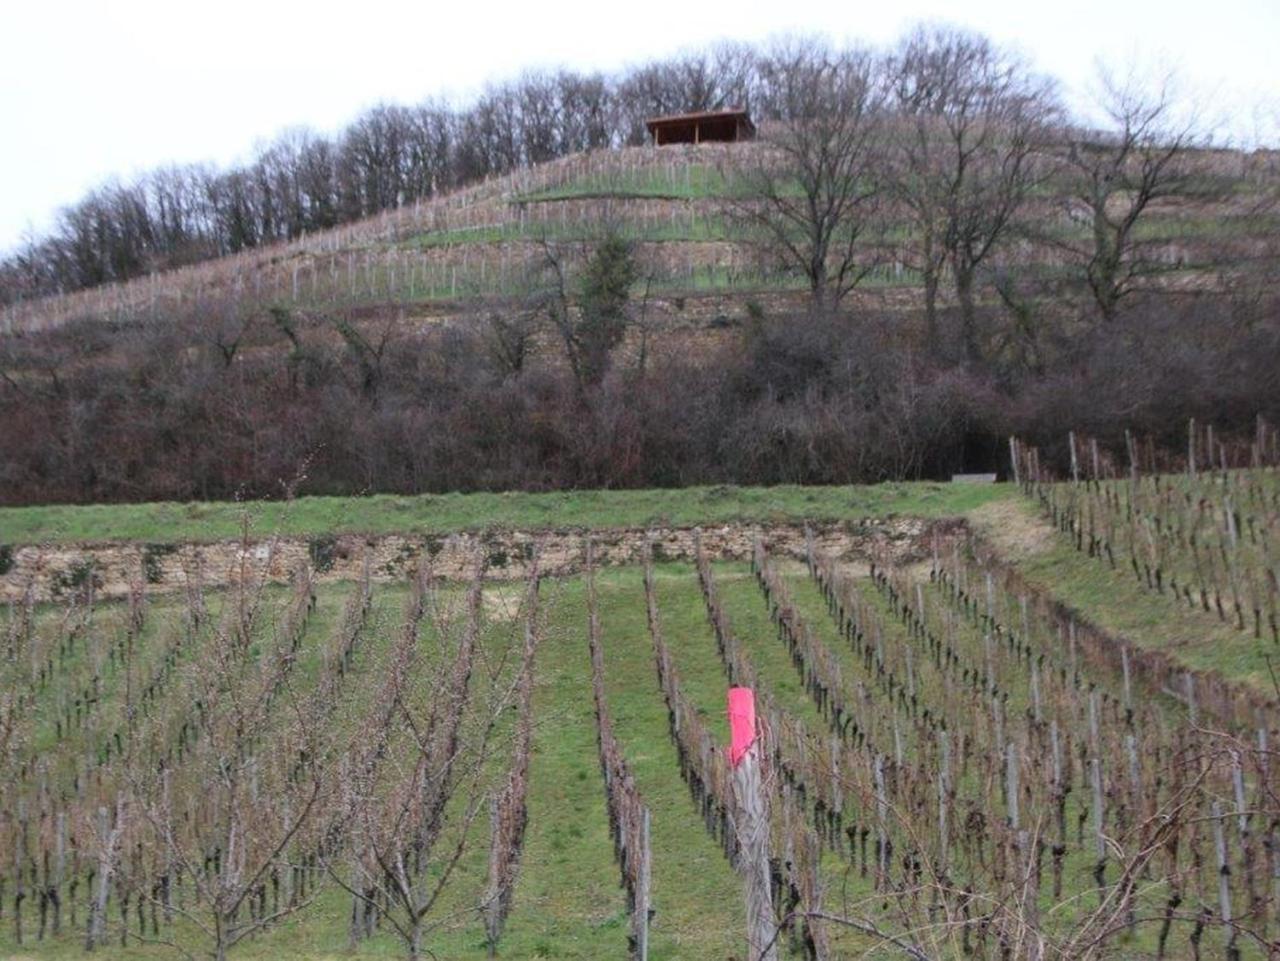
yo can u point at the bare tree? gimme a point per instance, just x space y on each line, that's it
1118 176
224 325
368 349
813 193
972 119
714 79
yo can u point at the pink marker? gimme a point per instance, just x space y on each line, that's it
742 722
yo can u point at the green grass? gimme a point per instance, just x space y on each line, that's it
568 902
685 182
1116 602
700 229
169 522
695 892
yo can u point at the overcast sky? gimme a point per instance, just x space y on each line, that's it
94 89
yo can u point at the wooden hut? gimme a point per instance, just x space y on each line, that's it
710 126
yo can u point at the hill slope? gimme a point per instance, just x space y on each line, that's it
484 240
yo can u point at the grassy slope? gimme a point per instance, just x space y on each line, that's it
1116 602
1111 599
448 513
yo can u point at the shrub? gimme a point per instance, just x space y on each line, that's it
151 561
76 577
324 551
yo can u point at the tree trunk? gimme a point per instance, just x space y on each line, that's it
968 315
415 941
932 345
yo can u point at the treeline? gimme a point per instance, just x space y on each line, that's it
395 155
185 411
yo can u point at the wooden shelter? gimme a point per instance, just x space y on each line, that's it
718 126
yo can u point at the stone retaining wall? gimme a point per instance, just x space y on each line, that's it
53 571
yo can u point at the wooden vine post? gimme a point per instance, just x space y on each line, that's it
751 816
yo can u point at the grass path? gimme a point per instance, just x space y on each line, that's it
696 893
568 902
172 523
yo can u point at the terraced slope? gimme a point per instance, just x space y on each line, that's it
487 241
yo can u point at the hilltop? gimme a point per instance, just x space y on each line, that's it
437 258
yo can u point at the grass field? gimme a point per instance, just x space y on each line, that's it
448 513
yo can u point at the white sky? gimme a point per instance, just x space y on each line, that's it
98 88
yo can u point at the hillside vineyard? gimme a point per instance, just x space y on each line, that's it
940 739
785 502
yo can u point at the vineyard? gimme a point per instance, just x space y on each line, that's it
502 529
531 762
487 240
1203 539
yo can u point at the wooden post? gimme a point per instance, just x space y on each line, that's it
1055 750
944 798
1099 820
1135 772
59 869
1011 784
1095 740
882 832
97 926
355 927
1035 692
1128 691
1224 877
1071 649
753 853
286 868
1191 448
751 823
642 890
19 870
997 723
1272 842
837 792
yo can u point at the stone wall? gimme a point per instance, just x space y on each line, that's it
114 566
